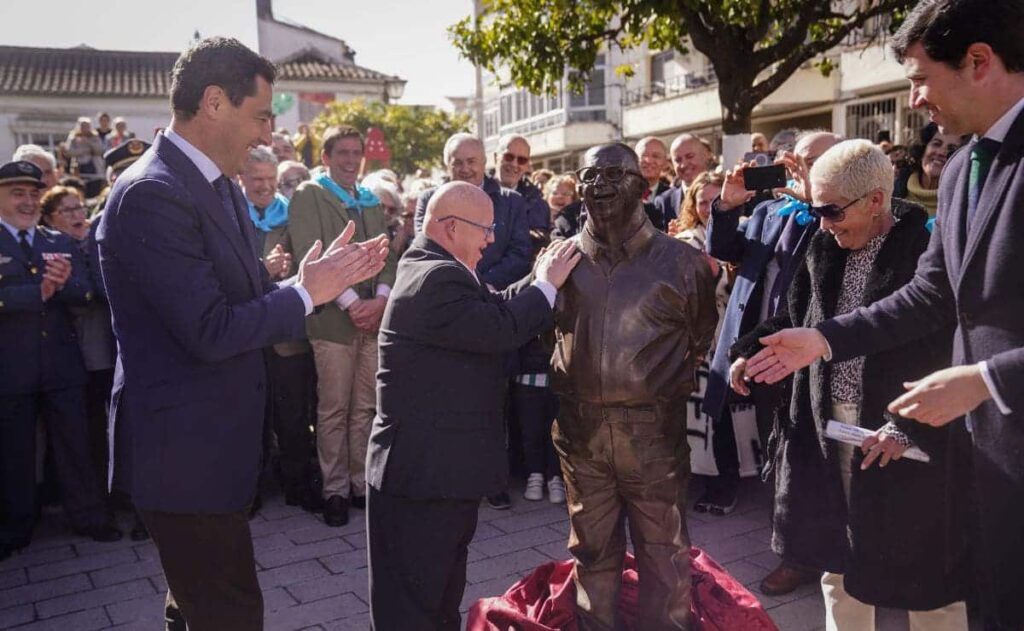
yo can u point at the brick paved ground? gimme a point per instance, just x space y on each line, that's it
314 577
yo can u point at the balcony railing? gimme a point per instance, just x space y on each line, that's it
675 86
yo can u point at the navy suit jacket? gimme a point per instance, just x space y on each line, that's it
192 311
972 278
38 346
668 203
510 257
751 248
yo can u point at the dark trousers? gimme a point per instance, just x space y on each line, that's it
291 379
97 403
627 465
210 570
63 411
534 408
723 444
418 551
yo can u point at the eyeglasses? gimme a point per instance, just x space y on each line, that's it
833 212
488 230
610 174
520 160
73 210
293 182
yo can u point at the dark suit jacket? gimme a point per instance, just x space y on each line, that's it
38 345
439 431
508 259
751 247
193 310
538 215
668 203
972 278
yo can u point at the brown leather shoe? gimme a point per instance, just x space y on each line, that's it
787 577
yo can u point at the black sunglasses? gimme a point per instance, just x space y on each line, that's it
833 212
610 174
520 160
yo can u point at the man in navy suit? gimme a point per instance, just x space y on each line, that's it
965 62
193 310
42 275
690 157
507 259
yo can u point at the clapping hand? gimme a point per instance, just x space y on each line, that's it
344 264
56 274
278 262
367 314
556 262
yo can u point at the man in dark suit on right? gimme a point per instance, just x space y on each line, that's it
438 443
965 62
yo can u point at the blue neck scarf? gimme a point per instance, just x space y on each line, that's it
802 210
274 215
366 199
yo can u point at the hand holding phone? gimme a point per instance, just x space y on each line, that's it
767 178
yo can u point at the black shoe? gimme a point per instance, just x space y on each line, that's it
721 495
104 533
5 551
139 531
500 501
336 511
359 501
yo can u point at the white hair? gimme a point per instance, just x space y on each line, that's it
264 154
457 139
380 186
27 152
854 168
287 165
507 140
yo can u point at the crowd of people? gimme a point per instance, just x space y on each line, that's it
854 251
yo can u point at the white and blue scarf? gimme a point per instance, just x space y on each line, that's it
274 215
365 198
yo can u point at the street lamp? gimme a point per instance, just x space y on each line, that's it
393 90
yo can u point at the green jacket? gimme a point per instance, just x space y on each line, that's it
315 213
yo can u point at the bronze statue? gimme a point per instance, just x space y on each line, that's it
631 324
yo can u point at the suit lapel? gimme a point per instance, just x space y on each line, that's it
209 202
1003 170
956 221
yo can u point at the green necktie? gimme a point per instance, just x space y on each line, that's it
981 161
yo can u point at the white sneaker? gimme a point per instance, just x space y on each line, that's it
556 490
534 487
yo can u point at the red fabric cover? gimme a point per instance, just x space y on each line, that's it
546 601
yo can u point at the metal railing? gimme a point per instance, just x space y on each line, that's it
673 87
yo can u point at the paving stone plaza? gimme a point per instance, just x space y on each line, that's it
314 577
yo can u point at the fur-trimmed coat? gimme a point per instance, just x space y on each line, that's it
902 542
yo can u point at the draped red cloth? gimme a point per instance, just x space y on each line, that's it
546 601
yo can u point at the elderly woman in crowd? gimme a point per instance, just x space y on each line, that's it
64 210
887 531
928 158
85 148
281 144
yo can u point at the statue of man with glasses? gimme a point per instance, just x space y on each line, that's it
631 324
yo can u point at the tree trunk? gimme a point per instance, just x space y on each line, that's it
736 110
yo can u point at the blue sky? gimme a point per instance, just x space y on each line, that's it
403 37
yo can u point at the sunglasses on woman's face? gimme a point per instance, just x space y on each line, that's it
610 174
833 212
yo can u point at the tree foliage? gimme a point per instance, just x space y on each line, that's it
754 45
415 134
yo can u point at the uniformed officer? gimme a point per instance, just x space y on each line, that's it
117 160
42 274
